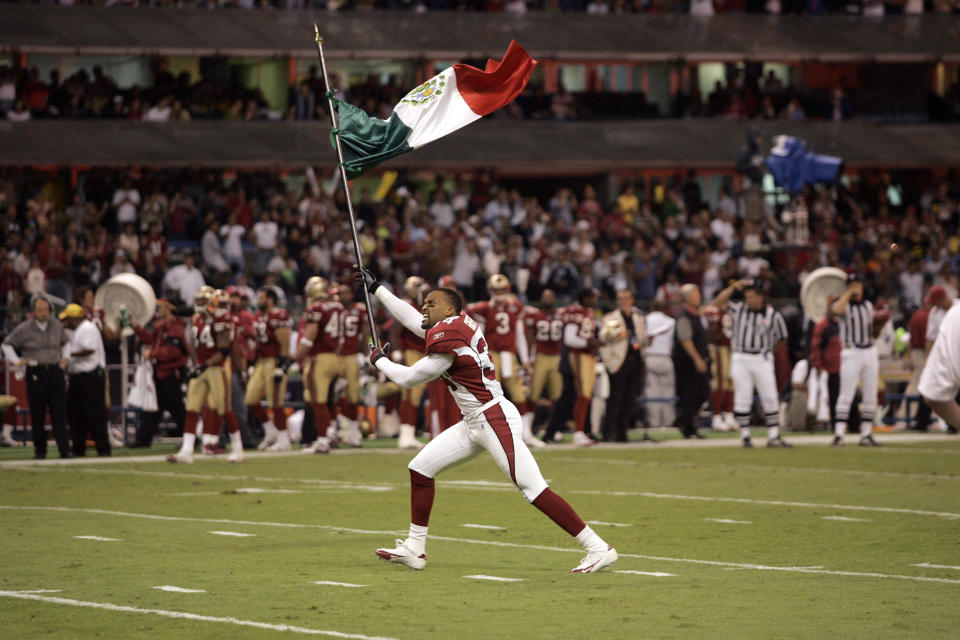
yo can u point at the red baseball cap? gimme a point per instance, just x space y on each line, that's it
936 294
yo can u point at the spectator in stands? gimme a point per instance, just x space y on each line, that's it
19 113
184 280
211 253
126 203
265 237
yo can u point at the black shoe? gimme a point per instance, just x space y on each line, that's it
952 430
68 454
39 456
747 444
698 435
868 441
837 441
778 442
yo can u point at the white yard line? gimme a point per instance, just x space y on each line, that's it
483 526
927 565
97 538
845 519
234 534
480 576
608 524
23 595
727 521
493 486
493 543
173 589
339 584
655 574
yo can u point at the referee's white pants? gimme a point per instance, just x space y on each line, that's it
499 430
749 372
858 367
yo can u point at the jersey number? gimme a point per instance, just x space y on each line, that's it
503 323
333 325
206 337
351 326
549 331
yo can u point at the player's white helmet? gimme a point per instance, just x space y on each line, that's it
316 289
202 300
219 299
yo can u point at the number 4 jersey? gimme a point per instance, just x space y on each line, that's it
207 329
471 378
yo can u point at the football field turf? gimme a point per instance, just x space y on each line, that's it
714 542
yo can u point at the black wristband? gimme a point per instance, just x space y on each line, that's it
283 362
373 286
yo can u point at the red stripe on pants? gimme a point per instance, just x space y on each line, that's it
498 422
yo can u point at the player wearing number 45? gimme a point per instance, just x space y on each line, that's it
757 329
457 352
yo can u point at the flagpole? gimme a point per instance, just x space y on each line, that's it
346 185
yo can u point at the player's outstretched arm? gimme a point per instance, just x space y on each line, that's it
407 315
423 370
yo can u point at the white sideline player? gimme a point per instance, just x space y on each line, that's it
940 380
456 351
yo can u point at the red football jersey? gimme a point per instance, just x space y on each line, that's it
206 329
547 327
499 322
265 325
353 318
586 321
471 378
409 341
326 315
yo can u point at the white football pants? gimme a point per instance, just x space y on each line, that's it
499 430
858 367
749 371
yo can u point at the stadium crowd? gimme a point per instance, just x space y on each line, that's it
900 238
868 8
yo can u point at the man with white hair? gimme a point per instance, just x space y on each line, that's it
691 361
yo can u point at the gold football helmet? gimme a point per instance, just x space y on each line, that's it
202 299
415 287
316 289
218 300
498 285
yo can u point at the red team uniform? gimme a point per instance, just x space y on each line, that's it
580 325
458 353
262 383
322 364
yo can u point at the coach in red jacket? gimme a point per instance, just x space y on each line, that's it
168 355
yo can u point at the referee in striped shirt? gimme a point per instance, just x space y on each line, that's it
858 361
757 329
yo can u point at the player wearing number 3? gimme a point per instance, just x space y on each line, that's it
456 351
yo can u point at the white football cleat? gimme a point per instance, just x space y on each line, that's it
282 442
581 439
320 445
408 438
533 442
403 555
270 434
596 561
180 458
235 456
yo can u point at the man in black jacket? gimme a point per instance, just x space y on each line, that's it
691 362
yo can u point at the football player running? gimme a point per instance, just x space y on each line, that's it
457 352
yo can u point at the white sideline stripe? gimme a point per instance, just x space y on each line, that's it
188 616
235 534
480 576
489 487
39 591
259 490
655 574
97 538
339 584
168 587
727 521
608 524
760 467
778 503
927 565
494 543
484 526
846 519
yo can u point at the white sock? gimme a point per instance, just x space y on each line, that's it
186 447
773 432
527 420
745 433
236 442
590 540
353 429
866 428
841 428
209 438
417 540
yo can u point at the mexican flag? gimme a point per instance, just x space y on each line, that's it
446 102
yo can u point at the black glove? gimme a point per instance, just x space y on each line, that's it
283 363
195 372
367 277
378 352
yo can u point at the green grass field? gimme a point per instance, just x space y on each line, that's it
715 542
